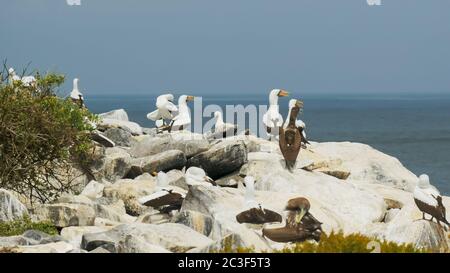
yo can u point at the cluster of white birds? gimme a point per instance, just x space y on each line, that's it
26 80
169 115
179 117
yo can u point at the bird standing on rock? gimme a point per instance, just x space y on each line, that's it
272 119
298 122
429 200
165 110
290 139
183 118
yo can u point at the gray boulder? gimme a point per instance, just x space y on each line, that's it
121 137
119 114
10 207
114 165
189 143
172 159
221 159
64 215
170 236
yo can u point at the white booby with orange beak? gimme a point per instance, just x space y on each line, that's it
272 119
183 119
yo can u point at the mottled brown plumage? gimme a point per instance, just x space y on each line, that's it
438 212
300 224
290 139
169 199
258 216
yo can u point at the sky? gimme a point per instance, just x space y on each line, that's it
233 46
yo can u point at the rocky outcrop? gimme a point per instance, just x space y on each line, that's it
221 159
119 114
65 215
119 136
172 159
114 165
10 207
73 235
129 191
172 237
93 190
189 143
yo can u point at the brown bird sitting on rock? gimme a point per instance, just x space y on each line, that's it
300 224
290 139
255 213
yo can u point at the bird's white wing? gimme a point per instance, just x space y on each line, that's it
171 107
181 120
267 119
154 115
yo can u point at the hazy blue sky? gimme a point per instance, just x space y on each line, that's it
233 46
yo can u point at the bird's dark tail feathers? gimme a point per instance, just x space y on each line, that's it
290 164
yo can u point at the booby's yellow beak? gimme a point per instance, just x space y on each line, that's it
154 173
299 216
283 93
189 98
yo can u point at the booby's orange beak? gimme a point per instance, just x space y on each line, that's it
283 93
189 98
154 173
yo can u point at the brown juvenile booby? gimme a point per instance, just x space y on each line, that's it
298 123
290 140
272 119
429 200
164 197
300 224
255 213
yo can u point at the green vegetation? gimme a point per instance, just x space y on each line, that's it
18 227
40 136
353 243
336 243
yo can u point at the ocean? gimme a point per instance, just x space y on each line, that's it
414 130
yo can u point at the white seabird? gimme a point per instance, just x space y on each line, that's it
221 128
165 109
183 118
26 80
429 200
197 176
164 196
12 76
75 94
272 119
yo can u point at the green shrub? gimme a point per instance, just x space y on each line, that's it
337 243
352 243
40 135
18 227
